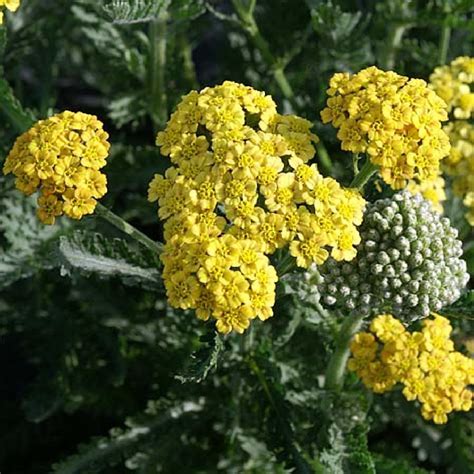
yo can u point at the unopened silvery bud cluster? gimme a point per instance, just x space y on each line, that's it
408 262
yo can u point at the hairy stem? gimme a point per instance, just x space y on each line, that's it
394 39
337 364
323 155
156 70
444 45
189 70
128 229
361 179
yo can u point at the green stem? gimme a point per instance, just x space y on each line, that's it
394 39
361 179
337 364
157 66
323 155
248 23
128 229
444 44
189 71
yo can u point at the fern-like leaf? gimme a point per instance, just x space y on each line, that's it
28 244
134 11
89 252
19 117
204 359
102 453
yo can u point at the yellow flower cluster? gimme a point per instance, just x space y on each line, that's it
425 362
240 189
394 119
61 157
453 84
11 5
432 190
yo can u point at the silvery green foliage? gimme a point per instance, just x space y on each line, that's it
408 262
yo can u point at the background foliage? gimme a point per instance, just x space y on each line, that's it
99 374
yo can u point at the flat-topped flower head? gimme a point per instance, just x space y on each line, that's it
61 157
240 188
395 120
432 190
11 5
408 262
453 83
424 362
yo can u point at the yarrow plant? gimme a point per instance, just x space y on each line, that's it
394 119
453 83
239 190
11 5
253 285
425 362
61 157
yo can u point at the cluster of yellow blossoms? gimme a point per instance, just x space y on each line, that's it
453 84
432 190
11 5
240 189
394 119
425 362
61 157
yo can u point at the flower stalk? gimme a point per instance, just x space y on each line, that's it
157 66
128 229
337 364
394 40
362 178
444 44
248 23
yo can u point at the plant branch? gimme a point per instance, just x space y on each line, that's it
337 364
394 39
248 23
156 70
361 179
444 44
323 155
128 229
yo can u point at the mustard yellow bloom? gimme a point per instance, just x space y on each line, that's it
239 189
425 362
453 83
395 120
432 190
61 157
